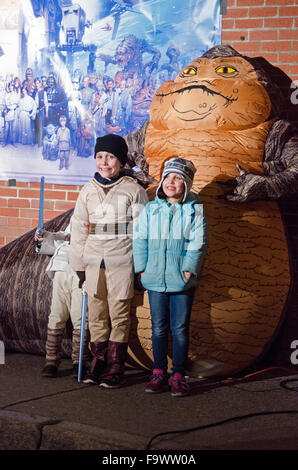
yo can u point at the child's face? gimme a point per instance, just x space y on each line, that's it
173 186
107 165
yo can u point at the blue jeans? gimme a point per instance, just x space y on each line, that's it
170 311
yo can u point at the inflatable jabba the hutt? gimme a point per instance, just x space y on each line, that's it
245 280
218 114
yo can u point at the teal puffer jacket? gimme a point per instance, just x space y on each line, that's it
168 240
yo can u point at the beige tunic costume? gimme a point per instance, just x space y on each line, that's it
105 210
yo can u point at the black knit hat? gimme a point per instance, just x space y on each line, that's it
114 144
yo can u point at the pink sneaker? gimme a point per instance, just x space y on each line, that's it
179 386
158 382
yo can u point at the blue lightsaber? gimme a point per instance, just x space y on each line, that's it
39 231
82 335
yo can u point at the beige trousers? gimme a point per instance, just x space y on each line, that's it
109 319
66 301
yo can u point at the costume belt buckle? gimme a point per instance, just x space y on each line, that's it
101 228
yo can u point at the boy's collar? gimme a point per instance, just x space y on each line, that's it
106 181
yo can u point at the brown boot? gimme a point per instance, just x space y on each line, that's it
76 340
99 351
115 365
53 351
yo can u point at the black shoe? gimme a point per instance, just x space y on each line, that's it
111 381
50 371
97 369
75 371
91 379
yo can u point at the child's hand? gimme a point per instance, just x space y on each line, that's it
82 278
187 275
137 282
37 239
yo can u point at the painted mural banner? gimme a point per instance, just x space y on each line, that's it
73 71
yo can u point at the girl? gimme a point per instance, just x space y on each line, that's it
101 252
168 248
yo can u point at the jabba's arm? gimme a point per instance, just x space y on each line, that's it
136 154
280 168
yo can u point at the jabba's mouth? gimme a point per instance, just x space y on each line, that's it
200 114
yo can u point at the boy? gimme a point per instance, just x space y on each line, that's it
101 253
66 302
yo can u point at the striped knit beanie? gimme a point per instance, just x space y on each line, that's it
182 167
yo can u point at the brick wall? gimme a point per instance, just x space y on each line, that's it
19 206
267 28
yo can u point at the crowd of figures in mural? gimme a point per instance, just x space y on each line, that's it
72 71
46 112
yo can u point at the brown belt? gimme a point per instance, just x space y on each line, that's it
116 229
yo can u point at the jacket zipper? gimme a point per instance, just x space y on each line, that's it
166 248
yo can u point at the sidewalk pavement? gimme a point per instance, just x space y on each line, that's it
259 412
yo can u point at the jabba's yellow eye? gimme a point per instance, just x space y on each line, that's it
226 70
190 71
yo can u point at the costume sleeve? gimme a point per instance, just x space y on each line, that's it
196 243
140 242
138 204
51 241
79 233
285 182
280 168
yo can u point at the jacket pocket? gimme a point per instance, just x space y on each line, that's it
191 282
153 274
